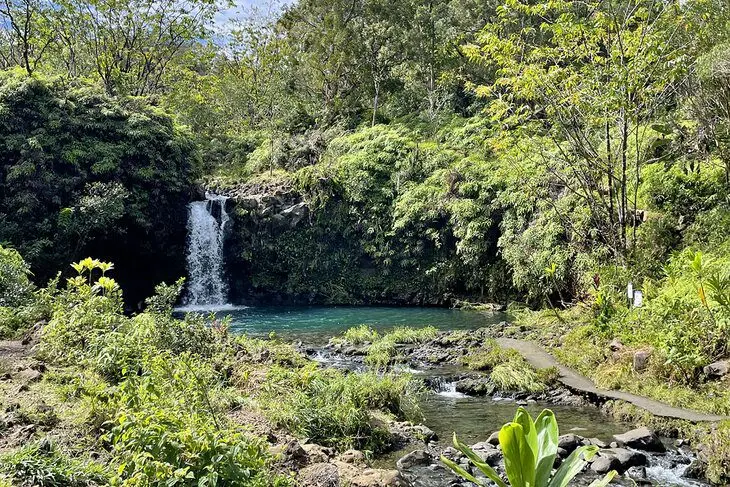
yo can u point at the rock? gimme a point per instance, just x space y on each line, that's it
604 464
717 369
295 213
291 453
317 453
638 475
695 470
626 458
569 442
376 478
562 453
29 375
487 452
319 475
421 469
641 439
641 360
414 459
475 387
615 345
493 438
597 442
354 457
424 433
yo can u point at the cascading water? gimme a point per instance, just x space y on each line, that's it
206 287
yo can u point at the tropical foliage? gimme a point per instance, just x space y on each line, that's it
530 447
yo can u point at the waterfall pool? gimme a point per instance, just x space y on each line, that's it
317 324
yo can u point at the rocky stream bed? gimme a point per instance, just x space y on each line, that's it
453 395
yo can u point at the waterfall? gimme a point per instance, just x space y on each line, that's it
206 287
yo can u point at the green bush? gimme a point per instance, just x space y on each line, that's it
336 409
15 285
44 465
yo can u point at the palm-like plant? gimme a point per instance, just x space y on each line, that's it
529 448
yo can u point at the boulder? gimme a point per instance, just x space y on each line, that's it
354 457
625 458
569 442
695 470
372 477
319 475
424 433
317 453
421 469
290 454
641 439
605 463
487 452
475 387
493 438
718 369
415 459
641 360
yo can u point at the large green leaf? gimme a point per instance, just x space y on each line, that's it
547 446
479 463
572 466
519 461
523 418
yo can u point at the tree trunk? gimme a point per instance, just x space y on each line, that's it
375 100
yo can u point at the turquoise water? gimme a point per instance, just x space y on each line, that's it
319 323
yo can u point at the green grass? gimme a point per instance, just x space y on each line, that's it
334 408
406 334
489 356
381 353
360 334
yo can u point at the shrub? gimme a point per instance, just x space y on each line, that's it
84 312
489 356
381 353
335 408
43 465
517 375
15 285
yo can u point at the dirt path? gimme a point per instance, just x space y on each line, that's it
539 358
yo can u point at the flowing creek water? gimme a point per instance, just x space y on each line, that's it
445 411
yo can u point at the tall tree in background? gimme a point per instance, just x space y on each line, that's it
131 44
26 32
592 77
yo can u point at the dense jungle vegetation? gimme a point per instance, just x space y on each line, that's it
539 152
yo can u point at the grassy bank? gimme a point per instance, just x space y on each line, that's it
660 350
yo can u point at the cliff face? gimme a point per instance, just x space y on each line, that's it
283 248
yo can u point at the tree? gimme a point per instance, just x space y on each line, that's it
130 45
25 32
592 77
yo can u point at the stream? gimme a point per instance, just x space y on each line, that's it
444 411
